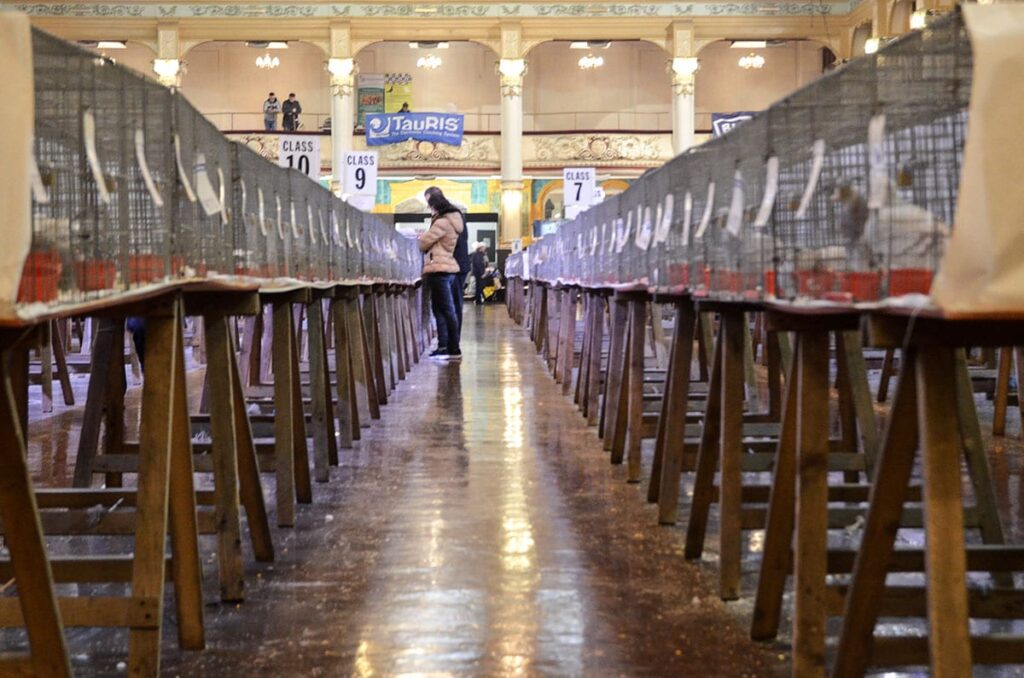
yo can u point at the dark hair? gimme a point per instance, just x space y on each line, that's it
291 94
437 201
271 94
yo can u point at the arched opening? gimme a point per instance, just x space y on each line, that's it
624 86
737 76
223 81
860 38
463 79
135 55
899 17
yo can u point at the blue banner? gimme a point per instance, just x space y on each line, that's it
394 128
723 122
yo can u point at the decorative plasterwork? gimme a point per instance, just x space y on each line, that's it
476 152
602 149
437 10
483 151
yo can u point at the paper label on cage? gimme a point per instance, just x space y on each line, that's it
224 217
182 174
309 220
147 177
39 193
623 228
280 218
771 189
296 232
665 222
323 226
348 234
687 217
878 170
593 242
817 161
204 188
645 231
335 228
734 221
89 137
241 185
709 207
263 212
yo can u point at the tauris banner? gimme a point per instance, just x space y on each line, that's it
393 128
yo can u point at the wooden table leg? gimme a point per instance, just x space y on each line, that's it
303 482
186 568
319 392
250 488
158 438
594 372
613 373
374 396
778 533
24 539
220 355
707 460
888 370
348 415
635 390
731 481
1002 395
888 491
284 414
945 559
677 396
60 357
810 610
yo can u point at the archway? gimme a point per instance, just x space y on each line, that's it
899 17
723 85
629 90
222 80
464 81
860 37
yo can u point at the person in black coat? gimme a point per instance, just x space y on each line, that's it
478 263
290 110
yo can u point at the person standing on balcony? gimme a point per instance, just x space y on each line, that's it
291 110
271 107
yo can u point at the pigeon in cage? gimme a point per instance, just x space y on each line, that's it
902 229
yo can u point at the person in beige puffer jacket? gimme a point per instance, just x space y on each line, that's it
439 270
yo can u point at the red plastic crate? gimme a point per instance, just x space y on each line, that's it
40 277
95 274
909 281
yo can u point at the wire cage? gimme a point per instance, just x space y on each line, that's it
203 230
298 217
923 88
104 170
253 197
354 235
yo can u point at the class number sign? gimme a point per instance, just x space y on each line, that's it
580 186
301 153
360 177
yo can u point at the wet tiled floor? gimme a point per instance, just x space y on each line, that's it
477 529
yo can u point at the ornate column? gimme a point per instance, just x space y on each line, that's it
167 64
342 67
511 68
682 67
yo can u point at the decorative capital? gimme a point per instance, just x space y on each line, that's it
683 85
512 72
342 70
167 71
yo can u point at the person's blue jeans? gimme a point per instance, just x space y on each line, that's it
270 124
442 303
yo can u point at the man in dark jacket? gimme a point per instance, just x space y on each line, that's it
290 111
459 280
478 262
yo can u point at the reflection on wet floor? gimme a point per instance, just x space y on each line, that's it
478 529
